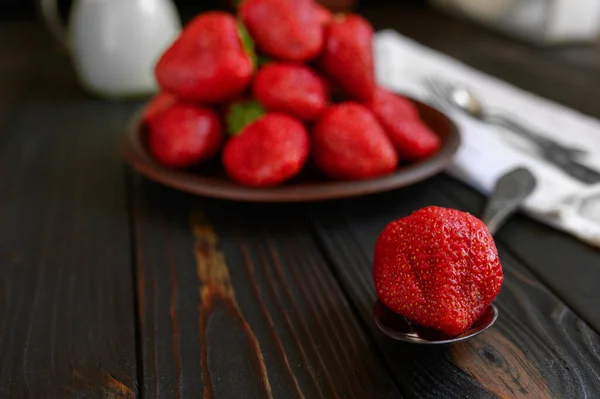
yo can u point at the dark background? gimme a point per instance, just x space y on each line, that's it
10 9
28 8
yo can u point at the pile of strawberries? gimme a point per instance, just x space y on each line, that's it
258 90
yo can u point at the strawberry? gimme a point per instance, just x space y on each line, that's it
414 140
211 61
348 55
438 267
266 151
293 89
157 104
411 137
387 106
183 135
323 14
349 143
290 30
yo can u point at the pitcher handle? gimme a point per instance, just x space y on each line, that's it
54 23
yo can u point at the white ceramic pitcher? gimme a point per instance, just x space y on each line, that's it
115 44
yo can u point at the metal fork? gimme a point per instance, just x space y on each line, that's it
444 95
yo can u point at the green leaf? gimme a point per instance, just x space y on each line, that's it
241 114
247 42
262 60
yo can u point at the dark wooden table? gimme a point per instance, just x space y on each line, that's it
113 286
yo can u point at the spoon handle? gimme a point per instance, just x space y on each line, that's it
510 192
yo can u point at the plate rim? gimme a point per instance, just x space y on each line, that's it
139 158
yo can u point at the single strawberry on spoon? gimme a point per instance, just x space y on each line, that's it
437 270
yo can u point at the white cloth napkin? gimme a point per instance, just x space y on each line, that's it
488 151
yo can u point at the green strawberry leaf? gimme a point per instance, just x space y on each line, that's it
262 60
241 114
247 42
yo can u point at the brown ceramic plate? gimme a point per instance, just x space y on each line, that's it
210 179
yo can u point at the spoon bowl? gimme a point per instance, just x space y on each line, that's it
467 102
400 328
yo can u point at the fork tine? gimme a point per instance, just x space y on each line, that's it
440 105
437 95
443 88
435 88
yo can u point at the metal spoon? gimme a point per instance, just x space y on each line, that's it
560 155
510 192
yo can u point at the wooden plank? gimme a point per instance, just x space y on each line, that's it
538 348
18 45
236 299
67 316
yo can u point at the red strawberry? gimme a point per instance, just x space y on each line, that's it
323 14
412 138
293 89
209 61
267 151
388 106
349 143
157 104
348 55
286 29
438 267
183 135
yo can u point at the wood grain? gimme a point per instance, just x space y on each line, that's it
495 352
530 352
238 300
19 42
220 312
251 293
66 314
